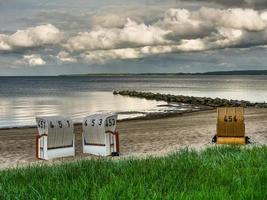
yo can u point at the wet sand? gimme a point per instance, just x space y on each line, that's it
138 137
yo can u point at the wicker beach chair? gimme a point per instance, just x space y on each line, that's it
230 126
55 138
100 136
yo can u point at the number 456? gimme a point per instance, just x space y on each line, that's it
230 118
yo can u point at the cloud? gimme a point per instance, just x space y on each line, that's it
31 37
236 18
116 16
226 65
102 56
108 21
178 30
31 60
184 25
260 4
132 34
64 56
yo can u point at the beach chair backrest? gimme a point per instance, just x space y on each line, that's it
230 122
59 131
95 127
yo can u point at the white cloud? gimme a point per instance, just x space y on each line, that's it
264 15
226 65
31 60
108 20
131 35
102 56
235 3
64 56
183 25
236 18
4 46
141 34
178 30
31 37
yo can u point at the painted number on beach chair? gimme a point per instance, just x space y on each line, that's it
230 118
41 124
93 122
51 125
110 122
68 122
60 124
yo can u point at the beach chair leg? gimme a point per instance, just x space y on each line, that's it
38 151
117 152
214 139
117 142
37 147
248 141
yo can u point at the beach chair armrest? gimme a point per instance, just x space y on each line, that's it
116 134
37 143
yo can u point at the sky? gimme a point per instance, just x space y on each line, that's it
40 38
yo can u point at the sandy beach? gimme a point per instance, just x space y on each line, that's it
138 137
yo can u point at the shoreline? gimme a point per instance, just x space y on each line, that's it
147 116
138 137
190 102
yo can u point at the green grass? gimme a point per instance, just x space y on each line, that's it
215 173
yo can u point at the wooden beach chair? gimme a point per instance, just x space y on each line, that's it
100 136
230 126
55 138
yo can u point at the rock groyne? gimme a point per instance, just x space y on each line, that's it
204 101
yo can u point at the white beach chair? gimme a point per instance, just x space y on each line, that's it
100 136
55 138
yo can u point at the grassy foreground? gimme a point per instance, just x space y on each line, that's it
216 173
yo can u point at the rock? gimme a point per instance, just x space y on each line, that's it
205 101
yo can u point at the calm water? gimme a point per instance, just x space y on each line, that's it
23 98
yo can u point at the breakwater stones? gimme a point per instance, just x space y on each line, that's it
205 101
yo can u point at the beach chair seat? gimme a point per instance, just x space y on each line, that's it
230 126
55 138
100 136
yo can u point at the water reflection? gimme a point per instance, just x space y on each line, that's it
22 110
23 98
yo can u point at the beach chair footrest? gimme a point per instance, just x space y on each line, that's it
231 140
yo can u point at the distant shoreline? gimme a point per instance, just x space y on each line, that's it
241 72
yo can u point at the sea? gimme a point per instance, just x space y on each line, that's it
24 98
